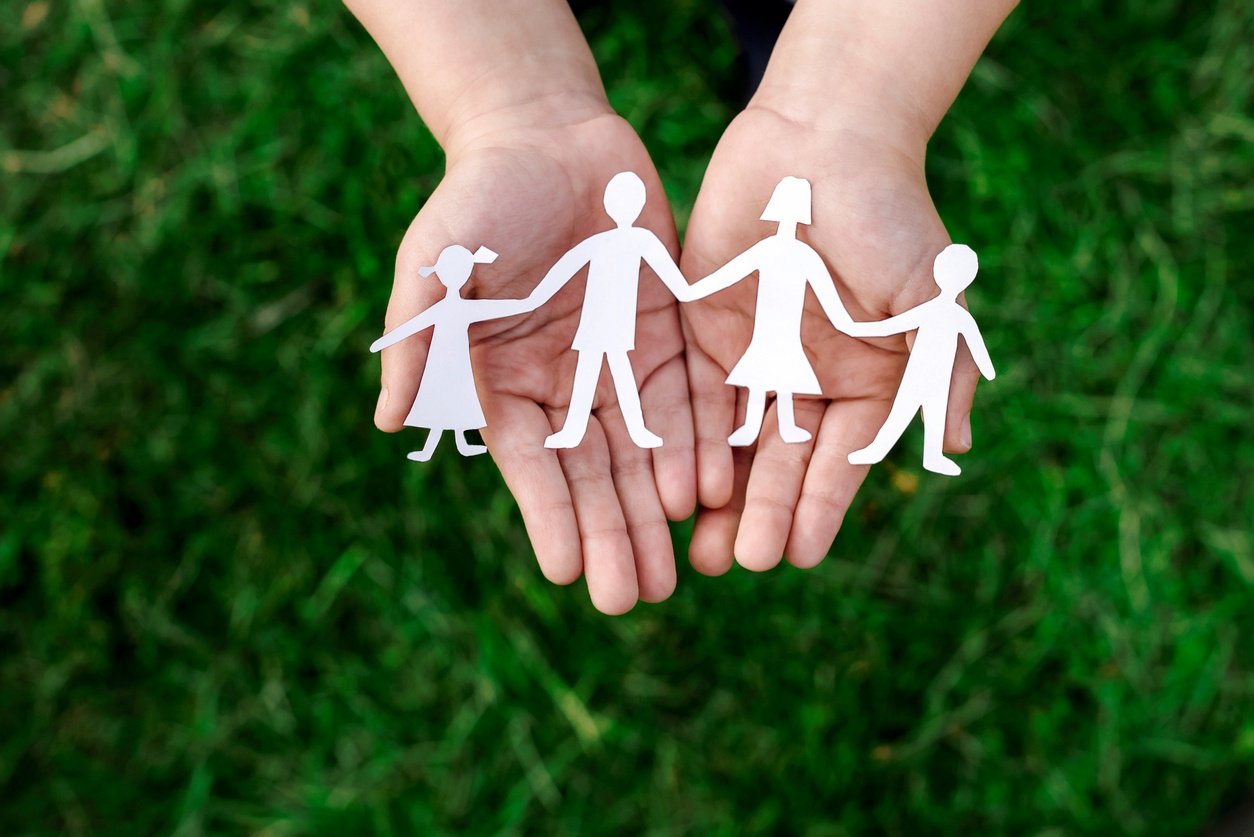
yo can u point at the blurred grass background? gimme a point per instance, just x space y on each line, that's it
227 604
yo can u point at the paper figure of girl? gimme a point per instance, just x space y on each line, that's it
446 398
925 383
775 360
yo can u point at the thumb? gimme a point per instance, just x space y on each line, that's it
403 362
961 397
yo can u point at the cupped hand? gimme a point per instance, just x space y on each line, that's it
530 194
876 227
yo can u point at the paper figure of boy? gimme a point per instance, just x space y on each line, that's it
775 360
925 383
607 322
446 398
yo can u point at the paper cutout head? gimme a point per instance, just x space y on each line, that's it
955 268
624 198
453 266
789 203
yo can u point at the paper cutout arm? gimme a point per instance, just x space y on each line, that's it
657 257
824 286
905 321
726 276
979 352
559 274
406 329
493 309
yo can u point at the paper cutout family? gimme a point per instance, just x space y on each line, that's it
775 360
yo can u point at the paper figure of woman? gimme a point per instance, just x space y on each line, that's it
775 360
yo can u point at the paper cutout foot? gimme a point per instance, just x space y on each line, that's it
935 464
645 438
793 434
744 435
866 456
564 439
941 465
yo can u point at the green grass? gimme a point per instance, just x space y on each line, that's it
227 604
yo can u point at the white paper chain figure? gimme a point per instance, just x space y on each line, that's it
925 383
607 322
775 360
446 397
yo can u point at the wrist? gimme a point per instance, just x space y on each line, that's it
885 69
848 98
511 112
474 67
858 109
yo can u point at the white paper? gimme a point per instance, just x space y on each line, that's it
607 323
775 360
446 398
925 384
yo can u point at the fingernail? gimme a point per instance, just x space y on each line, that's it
965 434
383 401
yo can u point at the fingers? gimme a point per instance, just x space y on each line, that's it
668 411
713 409
775 482
402 363
830 481
961 397
608 563
714 534
632 472
515 438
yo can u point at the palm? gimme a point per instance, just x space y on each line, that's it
600 508
875 226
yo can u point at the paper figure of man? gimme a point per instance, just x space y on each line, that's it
607 323
925 384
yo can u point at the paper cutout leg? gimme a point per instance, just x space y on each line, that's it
465 448
747 433
587 371
899 418
433 439
934 458
789 431
629 401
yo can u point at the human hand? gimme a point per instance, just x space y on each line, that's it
531 187
878 231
